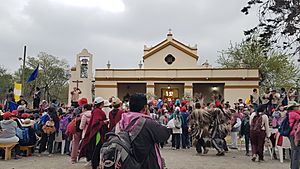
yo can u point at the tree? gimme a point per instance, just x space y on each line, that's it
6 81
276 69
52 78
279 25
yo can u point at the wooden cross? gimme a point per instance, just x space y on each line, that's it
77 82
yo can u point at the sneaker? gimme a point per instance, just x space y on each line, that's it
50 155
205 151
220 154
45 153
234 148
173 148
253 158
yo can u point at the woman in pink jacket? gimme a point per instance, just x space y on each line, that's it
294 117
85 118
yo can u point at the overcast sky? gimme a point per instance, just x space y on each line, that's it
117 30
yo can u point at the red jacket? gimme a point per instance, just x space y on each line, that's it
294 117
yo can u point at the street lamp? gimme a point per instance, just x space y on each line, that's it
108 65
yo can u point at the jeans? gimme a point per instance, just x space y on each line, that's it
176 140
47 140
247 141
185 137
295 155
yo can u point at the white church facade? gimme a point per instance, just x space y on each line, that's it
169 70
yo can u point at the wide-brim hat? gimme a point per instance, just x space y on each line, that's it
292 104
27 123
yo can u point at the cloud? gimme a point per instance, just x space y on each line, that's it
116 31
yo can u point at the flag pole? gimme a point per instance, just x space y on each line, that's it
23 71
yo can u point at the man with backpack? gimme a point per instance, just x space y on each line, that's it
177 120
138 148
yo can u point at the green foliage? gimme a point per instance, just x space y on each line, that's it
52 78
6 81
276 69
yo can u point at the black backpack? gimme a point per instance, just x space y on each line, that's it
117 151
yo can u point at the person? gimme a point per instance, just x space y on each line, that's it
10 101
259 131
284 97
95 134
50 124
8 129
245 127
37 98
177 120
236 122
199 123
85 118
254 99
22 101
294 117
115 114
219 128
75 96
185 128
76 136
144 146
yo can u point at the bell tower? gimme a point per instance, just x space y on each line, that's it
82 75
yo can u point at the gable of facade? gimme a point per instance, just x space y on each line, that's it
170 53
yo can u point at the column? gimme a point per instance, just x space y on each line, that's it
188 89
150 89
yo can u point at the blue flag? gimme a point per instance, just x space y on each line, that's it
34 74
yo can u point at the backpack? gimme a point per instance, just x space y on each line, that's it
285 128
177 121
63 123
23 135
117 151
256 124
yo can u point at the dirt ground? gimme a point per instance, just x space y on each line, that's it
175 159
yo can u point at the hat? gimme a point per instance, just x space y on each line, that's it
177 109
27 123
20 108
116 100
7 115
82 101
183 108
292 104
241 105
98 100
25 115
14 113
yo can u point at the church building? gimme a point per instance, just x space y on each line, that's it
169 70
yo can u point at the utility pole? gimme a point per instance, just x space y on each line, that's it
23 70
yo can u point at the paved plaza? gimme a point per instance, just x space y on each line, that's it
181 159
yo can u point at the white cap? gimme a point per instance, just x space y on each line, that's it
98 100
177 109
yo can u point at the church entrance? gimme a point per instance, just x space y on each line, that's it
208 92
169 91
125 90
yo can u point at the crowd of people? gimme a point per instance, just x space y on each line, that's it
85 127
